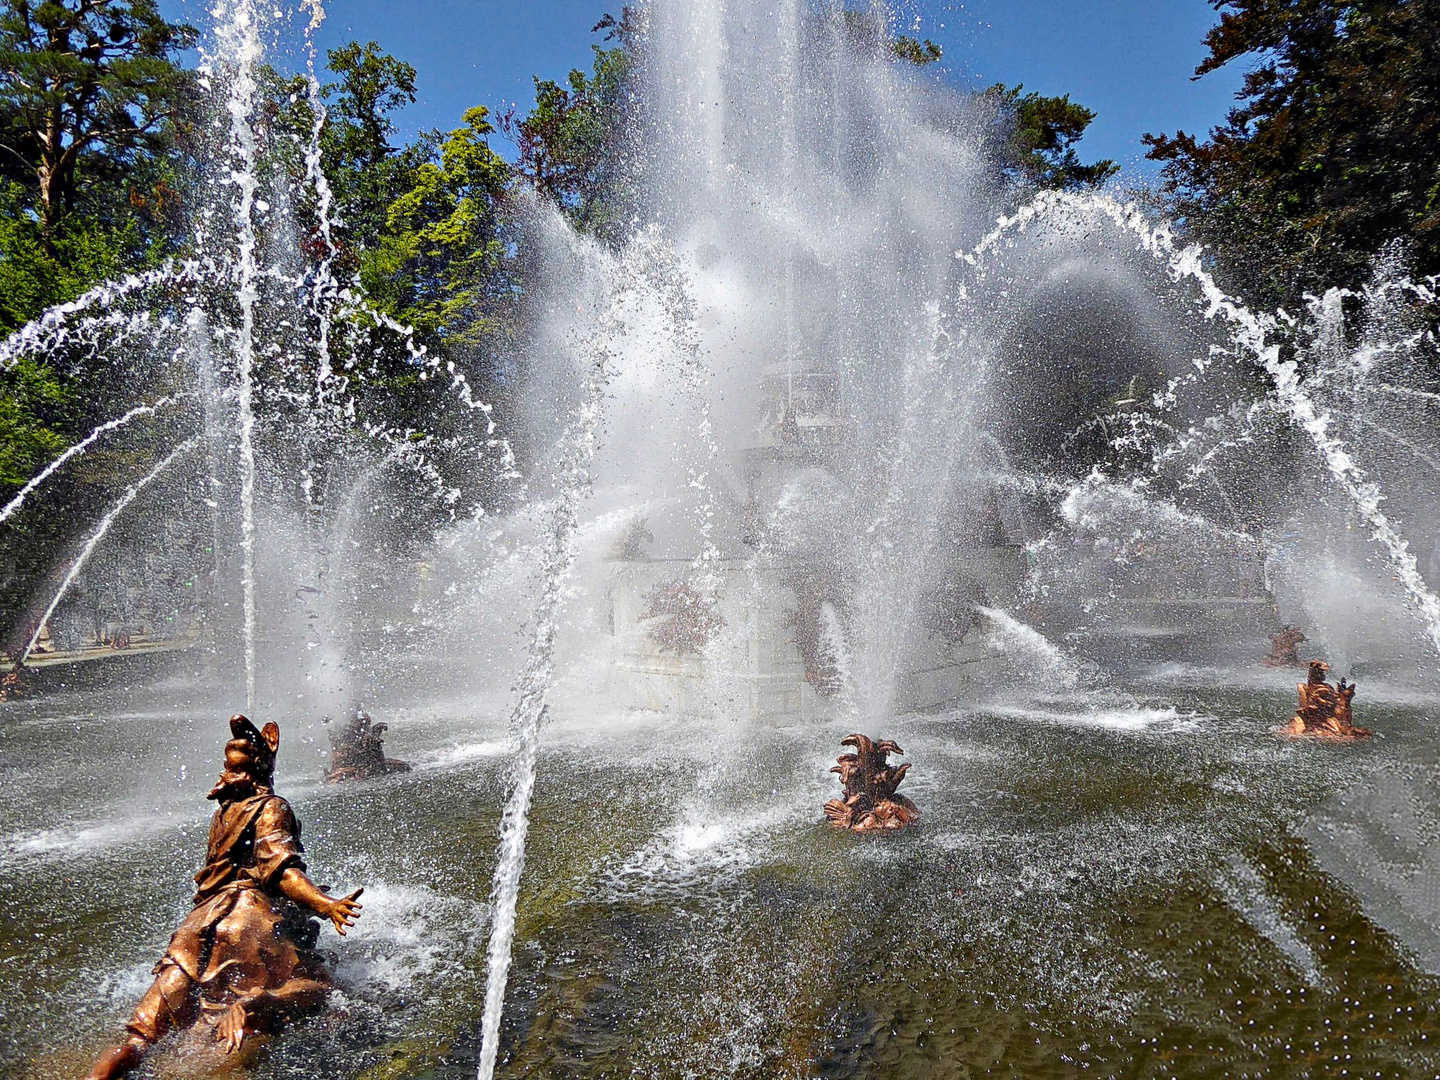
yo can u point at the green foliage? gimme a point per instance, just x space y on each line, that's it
867 32
89 99
1333 151
372 86
34 404
365 171
1037 140
42 409
569 141
916 51
35 275
86 88
436 265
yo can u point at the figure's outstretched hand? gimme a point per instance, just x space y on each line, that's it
231 1031
344 911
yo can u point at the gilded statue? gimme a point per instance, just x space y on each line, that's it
1324 709
870 803
357 751
1285 648
244 959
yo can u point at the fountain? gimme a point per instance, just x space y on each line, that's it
836 439
243 338
99 534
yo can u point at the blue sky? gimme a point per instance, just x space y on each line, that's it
1130 60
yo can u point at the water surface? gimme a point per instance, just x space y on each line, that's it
1142 882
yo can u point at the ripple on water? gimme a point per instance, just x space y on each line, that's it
407 935
1245 891
461 754
87 838
1167 720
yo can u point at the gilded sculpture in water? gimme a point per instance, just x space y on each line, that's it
1285 648
357 751
1324 709
244 959
870 803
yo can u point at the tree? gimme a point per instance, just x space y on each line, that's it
372 85
85 87
569 142
364 168
1332 151
916 51
1037 137
89 99
436 264
442 265
33 403
37 271
868 33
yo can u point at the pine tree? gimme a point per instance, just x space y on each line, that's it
1332 152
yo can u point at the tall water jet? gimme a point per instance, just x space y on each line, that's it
277 346
577 451
808 385
819 285
325 286
237 51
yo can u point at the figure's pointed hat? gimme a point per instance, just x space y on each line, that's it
252 749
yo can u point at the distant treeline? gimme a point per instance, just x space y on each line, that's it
1332 152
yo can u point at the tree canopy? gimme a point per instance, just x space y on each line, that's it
1037 140
364 169
1332 151
93 101
570 141
86 87
435 264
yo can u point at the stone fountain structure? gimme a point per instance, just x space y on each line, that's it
770 642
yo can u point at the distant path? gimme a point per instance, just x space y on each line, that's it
90 653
